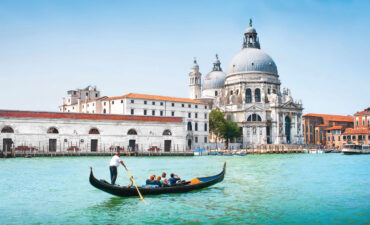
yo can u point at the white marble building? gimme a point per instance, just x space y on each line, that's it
250 94
62 132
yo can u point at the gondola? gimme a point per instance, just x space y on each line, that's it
124 191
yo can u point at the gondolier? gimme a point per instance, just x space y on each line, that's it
114 163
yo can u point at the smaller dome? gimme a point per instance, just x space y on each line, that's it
250 30
215 79
195 65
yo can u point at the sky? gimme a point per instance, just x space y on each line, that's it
321 48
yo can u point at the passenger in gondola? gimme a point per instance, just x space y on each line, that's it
159 181
164 180
150 180
174 179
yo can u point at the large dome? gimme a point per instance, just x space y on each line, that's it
252 60
214 79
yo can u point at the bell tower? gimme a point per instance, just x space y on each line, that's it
195 81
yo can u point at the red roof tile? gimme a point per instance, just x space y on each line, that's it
337 118
356 131
85 116
334 128
364 112
156 97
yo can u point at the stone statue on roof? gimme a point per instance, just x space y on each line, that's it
250 22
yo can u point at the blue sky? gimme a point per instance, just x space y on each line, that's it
321 48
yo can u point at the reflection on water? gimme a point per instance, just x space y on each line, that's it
263 189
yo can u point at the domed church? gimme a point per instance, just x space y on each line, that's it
249 93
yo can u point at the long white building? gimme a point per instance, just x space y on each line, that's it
62 132
193 112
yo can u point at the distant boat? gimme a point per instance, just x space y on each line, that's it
124 191
352 149
200 151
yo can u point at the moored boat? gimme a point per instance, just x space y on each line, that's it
352 149
124 191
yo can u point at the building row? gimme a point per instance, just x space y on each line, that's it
334 131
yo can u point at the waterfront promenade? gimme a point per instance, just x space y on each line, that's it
262 149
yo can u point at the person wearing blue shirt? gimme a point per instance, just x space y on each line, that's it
173 179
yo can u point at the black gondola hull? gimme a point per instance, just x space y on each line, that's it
123 191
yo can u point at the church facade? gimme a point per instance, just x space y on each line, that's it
250 94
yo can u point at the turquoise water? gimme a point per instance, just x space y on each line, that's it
258 189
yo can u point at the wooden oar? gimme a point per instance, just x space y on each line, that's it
138 191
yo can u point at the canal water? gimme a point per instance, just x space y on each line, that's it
258 189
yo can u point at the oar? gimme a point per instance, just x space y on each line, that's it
138 191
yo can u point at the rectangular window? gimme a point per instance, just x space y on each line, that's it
196 127
161 103
205 107
196 115
153 103
183 105
196 139
205 115
112 102
161 113
132 111
104 103
96 95
172 113
353 137
205 139
145 102
344 137
153 112
122 101
189 115
132 101
173 104
196 106
144 112
338 138
205 127
189 106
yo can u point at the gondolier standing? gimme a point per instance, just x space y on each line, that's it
114 163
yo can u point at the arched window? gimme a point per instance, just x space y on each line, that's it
257 95
196 126
94 131
104 111
248 95
7 129
53 130
254 117
132 132
189 126
167 132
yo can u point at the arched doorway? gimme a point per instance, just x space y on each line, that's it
7 142
189 144
287 129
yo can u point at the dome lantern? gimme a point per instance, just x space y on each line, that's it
250 37
217 64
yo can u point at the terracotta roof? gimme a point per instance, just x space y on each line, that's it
334 128
364 112
85 116
156 97
331 117
356 131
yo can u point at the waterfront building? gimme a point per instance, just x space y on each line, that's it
360 133
63 132
193 112
250 95
323 129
